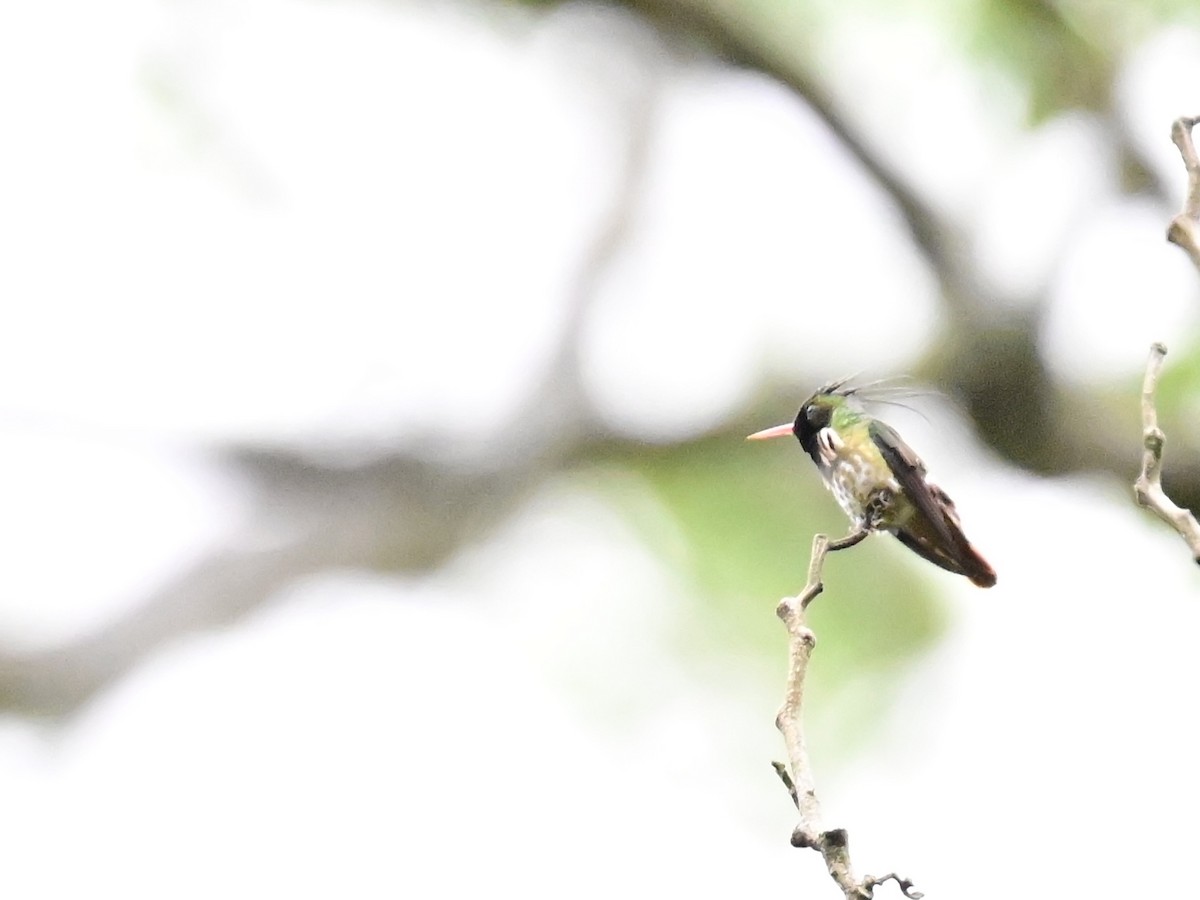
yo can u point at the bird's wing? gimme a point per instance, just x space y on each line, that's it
951 550
910 473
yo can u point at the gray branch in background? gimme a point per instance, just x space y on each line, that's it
399 514
989 356
410 510
404 512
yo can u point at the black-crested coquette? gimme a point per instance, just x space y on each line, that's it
879 481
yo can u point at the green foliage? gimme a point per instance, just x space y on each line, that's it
1058 66
1179 385
739 524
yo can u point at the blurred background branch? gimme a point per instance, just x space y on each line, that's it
341 397
408 510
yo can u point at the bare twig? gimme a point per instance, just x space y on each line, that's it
906 886
1148 488
1184 230
832 844
782 771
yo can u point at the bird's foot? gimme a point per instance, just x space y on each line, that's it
876 508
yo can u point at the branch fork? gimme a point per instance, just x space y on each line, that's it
1148 489
832 844
1184 231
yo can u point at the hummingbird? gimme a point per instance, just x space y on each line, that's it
879 481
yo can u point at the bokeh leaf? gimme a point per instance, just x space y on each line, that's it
743 519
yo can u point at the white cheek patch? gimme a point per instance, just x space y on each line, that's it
829 444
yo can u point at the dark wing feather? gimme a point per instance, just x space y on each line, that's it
910 472
936 535
931 552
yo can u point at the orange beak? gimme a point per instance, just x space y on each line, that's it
774 432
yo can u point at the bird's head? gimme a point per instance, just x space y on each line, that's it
815 413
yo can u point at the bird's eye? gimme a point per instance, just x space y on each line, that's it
815 416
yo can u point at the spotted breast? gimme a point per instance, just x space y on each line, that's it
851 470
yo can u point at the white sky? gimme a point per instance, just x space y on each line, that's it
351 222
